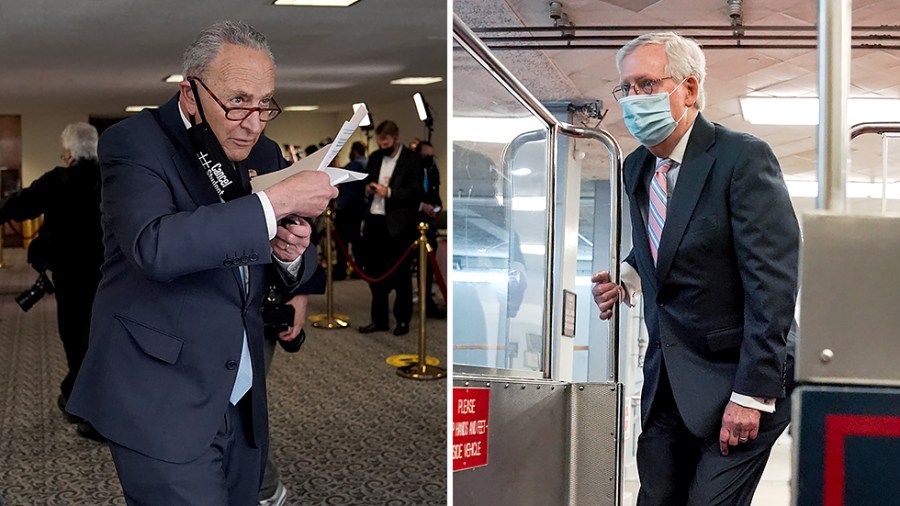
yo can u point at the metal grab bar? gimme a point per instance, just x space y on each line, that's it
479 51
873 128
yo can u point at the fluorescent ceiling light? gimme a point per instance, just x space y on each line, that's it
417 81
139 108
496 130
805 110
174 78
529 203
521 171
855 189
533 249
301 108
367 120
316 3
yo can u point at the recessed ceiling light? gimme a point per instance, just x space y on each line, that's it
805 110
417 81
174 78
139 108
316 3
301 108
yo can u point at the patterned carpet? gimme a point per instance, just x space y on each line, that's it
347 429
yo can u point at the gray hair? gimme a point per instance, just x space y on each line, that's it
200 54
685 58
81 140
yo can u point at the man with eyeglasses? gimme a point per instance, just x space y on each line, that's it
715 253
174 373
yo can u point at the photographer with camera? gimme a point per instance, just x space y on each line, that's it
69 244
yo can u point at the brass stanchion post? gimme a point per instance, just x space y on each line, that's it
329 320
421 370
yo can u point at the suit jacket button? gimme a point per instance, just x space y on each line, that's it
231 365
660 304
254 257
245 259
227 263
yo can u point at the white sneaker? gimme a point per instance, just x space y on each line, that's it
278 498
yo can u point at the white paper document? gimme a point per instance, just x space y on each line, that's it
319 160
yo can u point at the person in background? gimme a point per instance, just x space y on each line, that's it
429 209
394 186
716 254
350 207
70 243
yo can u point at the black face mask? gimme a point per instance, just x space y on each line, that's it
427 161
386 152
222 173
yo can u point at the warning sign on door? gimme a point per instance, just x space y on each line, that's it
470 427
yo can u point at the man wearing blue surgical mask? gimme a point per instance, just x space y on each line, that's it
715 254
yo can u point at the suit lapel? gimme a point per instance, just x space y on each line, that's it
192 175
636 187
691 178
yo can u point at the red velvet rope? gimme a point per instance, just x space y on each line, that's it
357 268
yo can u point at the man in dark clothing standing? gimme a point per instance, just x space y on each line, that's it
350 206
394 185
69 199
429 209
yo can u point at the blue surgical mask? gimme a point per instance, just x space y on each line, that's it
649 117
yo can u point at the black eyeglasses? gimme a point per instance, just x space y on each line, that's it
643 86
241 113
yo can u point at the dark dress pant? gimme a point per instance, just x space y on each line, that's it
382 253
228 473
677 468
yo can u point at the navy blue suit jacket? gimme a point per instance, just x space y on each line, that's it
720 302
171 309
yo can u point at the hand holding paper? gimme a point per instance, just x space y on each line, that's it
319 160
306 193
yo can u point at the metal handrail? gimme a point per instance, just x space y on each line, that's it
476 48
874 128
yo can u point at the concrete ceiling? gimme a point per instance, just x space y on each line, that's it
590 74
101 55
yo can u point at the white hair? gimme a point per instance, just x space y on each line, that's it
81 140
685 58
201 53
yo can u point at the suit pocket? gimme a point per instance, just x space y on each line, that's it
157 344
725 338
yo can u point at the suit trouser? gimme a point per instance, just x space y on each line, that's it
271 476
382 253
227 473
74 298
677 468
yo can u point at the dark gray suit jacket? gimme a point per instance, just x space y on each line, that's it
720 302
171 311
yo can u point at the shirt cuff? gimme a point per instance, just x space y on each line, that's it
764 405
269 211
291 268
629 284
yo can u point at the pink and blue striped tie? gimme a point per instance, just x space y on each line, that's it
656 215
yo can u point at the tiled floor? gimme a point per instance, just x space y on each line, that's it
773 490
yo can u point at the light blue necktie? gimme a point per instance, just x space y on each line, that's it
244 379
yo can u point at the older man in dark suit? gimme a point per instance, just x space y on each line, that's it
716 254
174 373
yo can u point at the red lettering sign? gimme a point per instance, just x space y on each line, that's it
470 427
